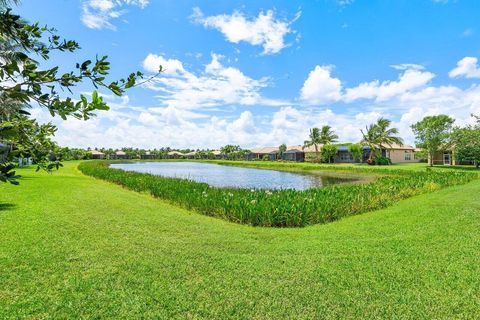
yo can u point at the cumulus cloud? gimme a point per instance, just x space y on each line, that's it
467 67
169 66
264 30
217 85
98 14
174 122
320 87
410 79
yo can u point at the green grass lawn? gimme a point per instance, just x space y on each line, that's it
75 247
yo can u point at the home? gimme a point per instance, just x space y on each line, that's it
175 155
264 152
119 154
446 156
191 155
217 154
147 155
97 154
294 154
400 153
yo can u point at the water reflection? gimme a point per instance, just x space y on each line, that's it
230 176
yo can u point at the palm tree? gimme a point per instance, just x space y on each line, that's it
315 140
327 135
378 135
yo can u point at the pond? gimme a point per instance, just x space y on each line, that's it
237 177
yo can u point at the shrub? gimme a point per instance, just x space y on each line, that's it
281 208
382 161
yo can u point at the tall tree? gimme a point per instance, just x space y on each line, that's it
23 81
315 139
433 133
327 135
379 135
466 141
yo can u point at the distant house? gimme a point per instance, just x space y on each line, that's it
294 154
191 155
119 154
97 154
147 155
217 154
175 155
447 157
344 156
396 153
261 153
400 153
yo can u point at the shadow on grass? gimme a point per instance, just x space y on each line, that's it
7 206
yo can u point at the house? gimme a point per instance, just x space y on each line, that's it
344 156
400 153
97 154
175 155
191 155
217 154
397 154
147 155
261 153
447 157
294 154
119 154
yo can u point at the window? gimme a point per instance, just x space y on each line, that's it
408 155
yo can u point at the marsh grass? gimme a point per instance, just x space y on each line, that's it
283 208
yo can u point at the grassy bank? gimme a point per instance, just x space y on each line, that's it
283 208
75 247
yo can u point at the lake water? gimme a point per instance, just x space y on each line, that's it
232 176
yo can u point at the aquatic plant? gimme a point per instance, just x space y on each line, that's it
281 208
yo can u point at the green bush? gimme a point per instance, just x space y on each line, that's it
281 208
382 161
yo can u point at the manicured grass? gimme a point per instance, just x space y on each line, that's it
75 247
284 208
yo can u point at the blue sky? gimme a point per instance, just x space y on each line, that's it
263 72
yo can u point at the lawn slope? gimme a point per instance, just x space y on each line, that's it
75 247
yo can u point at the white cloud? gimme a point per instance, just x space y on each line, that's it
176 123
97 14
264 30
320 87
217 85
467 67
169 66
411 79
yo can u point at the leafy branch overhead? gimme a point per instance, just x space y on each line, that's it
25 82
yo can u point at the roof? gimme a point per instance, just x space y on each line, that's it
193 153
399 147
96 152
293 150
264 150
175 153
308 149
216 152
120 153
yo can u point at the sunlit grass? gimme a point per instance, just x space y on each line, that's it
74 247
